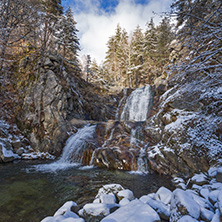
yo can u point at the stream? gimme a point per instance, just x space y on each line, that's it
29 195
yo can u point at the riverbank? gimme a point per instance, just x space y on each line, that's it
199 199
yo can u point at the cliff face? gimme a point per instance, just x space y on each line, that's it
187 128
52 96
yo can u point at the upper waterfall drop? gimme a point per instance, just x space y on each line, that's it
137 104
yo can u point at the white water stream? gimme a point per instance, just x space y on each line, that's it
137 104
71 155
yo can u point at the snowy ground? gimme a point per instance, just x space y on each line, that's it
198 199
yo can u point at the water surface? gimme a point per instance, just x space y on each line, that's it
29 195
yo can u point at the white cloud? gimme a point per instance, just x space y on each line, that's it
96 26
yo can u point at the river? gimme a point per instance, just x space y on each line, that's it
29 195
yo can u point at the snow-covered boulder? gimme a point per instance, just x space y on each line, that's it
183 203
213 196
206 215
164 195
187 218
66 209
109 189
61 218
124 201
108 198
136 210
220 201
125 194
199 179
64 214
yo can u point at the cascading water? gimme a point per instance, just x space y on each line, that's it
141 160
72 151
137 104
76 143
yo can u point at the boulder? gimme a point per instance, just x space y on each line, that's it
136 210
6 152
182 203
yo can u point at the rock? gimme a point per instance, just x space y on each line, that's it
108 198
20 151
124 201
216 217
48 63
206 215
164 195
125 194
96 209
182 203
213 196
204 192
136 210
65 208
6 152
187 218
220 201
219 177
199 179
16 144
109 189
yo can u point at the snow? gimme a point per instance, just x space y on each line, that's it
187 218
65 208
124 201
199 178
96 209
206 215
109 188
184 199
108 198
136 210
164 195
126 194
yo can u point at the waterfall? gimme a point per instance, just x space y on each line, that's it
76 143
120 103
141 160
72 152
137 104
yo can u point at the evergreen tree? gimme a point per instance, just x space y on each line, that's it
150 53
66 36
137 55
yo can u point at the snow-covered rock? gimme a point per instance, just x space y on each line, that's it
136 210
96 209
124 201
206 215
216 217
213 196
187 218
109 189
66 208
199 179
182 203
125 194
108 198
164 195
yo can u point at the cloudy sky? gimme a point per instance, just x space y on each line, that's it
97 20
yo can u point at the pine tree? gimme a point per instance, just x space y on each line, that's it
137 55
150 53
66 36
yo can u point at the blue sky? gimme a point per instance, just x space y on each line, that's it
97 20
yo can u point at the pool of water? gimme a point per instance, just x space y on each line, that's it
29 195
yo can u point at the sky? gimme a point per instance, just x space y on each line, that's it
98 19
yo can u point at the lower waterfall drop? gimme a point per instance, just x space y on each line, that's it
137 104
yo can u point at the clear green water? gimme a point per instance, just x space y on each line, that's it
28 195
